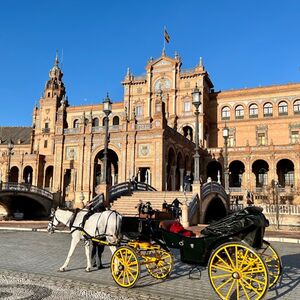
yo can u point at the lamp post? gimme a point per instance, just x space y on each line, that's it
226 171
196 102
10 147
107 110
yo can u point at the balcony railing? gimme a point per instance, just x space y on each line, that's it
283 209
46 130
143 126
71 130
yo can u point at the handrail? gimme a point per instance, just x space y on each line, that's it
25 187
213 187
192 207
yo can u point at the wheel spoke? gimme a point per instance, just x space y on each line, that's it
230 289
224 261
220 276
224 283
231 262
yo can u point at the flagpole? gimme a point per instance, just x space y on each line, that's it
164 48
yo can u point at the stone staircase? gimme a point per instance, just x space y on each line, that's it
126 205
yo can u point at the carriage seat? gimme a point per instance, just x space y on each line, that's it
175 227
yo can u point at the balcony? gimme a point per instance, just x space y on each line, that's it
46 130
71 131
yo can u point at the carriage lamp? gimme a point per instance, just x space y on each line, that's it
196 94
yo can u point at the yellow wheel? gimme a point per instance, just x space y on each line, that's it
272 260
237 271
125 267
160 263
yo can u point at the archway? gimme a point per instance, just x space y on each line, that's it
112 168
179 173
14 174
236 170
49 177
27 174
171 164
215 211
285 172
214 170
260 168
188 132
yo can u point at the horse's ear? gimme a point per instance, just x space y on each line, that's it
52 210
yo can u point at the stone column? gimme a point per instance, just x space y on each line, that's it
173 177
181 171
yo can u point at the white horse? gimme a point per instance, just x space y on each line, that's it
106 224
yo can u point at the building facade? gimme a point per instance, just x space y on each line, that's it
152 134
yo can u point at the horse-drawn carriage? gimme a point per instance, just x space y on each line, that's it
241 264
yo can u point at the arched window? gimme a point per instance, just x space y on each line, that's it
282 108
116 120
76 123
86 121
239 112
225 115
103 121
268 110
95 122
253 111
297 107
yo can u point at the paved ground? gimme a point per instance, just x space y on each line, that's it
29 262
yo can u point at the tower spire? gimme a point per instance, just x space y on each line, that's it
56 59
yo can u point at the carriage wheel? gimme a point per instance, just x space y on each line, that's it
161 263
236 271
272 260
125 267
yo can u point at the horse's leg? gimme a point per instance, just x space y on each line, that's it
100 249
74 242
87 245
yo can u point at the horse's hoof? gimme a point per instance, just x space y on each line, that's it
62 270
100 267
88 270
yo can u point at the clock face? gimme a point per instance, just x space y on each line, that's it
162 84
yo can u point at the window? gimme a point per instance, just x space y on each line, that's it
297 107
95 122
45 143
76 123
231 141
186 106
253 111
239 112
282 108
268 110
46 125
138 111
48 94
261 139
103 121
225 115
294 137
116 120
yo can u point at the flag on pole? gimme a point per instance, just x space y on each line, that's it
167 37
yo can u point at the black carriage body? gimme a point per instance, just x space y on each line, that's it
247 225
141 229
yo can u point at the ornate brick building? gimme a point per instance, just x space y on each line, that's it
152 133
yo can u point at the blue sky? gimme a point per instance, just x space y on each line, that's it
243 44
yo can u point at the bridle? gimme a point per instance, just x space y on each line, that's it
51 226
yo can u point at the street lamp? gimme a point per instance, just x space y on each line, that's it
226 171
10 146
107 110
196 102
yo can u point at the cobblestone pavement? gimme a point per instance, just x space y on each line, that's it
29 262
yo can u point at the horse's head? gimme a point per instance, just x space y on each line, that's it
53 221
